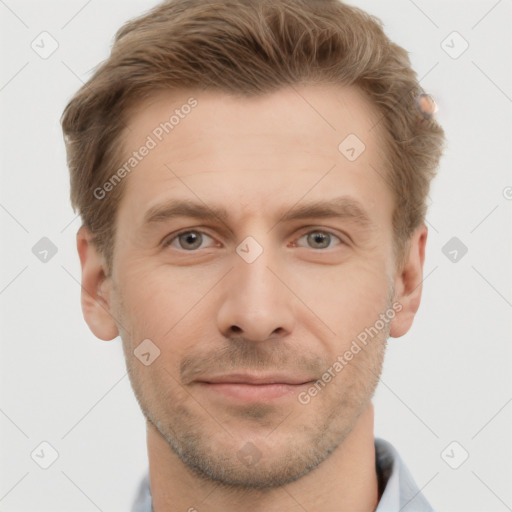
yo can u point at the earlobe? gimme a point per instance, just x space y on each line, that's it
408 284
96 288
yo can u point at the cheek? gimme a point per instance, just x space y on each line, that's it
369 300
165 305
348 296
146 303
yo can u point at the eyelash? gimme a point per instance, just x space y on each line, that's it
169 241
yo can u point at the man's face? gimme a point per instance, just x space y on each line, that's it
260 292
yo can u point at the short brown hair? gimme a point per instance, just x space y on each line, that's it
247 48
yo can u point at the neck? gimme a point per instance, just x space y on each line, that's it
346 481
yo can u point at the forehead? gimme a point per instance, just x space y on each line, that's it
253 153
297 110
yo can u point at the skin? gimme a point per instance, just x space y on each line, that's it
293 310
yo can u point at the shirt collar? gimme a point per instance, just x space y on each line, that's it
401 493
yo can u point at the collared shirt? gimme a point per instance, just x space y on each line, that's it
400 492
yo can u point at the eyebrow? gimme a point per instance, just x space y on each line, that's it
343 207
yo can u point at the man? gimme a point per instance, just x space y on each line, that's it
252 179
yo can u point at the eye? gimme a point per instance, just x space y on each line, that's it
318 239
187 240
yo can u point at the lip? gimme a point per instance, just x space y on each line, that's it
252 378
254 388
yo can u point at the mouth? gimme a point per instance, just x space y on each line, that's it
253 387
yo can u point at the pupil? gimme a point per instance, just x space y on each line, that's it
191 238
320 238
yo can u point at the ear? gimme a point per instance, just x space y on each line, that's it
96 288
408 284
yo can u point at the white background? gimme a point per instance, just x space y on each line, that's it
447 380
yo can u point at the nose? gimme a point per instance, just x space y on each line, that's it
255 303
